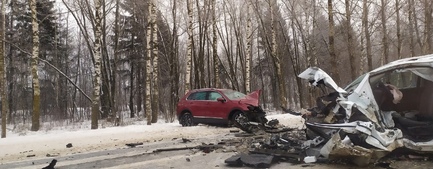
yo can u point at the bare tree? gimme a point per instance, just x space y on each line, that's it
399 40
97 65
155 82
116 57
174 72
190 47
427 48
331 42
3 82
248 56
385 48
34 65
411 36
148 101
216 62
276 57
350 47
367 35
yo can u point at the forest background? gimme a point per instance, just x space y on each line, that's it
75 60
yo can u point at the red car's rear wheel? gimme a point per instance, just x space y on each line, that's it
187 120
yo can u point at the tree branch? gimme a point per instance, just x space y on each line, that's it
58 70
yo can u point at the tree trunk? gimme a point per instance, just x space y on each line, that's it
34 64
427 27
216 82
107 99
385 48
416 27
174 73
369 56
332 54
397 10
11 69
277 59
3 82
350 47
411 40
248 53
155 98
202 28
97 66
131 90
116 59
189 47
148 101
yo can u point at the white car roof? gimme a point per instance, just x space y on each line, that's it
426 60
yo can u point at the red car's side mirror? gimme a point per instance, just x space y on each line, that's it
220 99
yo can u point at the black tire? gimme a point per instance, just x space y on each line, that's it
187 120
235 118
242 122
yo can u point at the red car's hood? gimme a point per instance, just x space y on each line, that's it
252 98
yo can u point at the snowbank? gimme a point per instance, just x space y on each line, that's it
17 147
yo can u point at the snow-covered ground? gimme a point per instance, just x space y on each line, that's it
17 146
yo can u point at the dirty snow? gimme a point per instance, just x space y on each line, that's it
18 146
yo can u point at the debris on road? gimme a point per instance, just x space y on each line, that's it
185 140
132 145
251 160
51 165
69 145
53 155
206 148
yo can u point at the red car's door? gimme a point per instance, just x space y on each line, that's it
217 109
196 103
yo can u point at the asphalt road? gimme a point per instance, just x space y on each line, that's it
141 156
144 156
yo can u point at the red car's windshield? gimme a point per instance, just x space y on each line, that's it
233 95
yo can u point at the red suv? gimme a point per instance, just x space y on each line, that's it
219 106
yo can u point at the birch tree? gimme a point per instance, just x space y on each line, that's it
189 47
155 97
148 101
216 62
34 65
248 53
97 65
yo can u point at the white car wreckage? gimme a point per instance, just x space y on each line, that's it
388 108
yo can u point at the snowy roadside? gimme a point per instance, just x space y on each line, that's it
48 143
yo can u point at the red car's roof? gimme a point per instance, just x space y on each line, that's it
209 89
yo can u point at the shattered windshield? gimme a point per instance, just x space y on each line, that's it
233 95
352 86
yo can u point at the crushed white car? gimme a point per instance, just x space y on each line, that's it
388 108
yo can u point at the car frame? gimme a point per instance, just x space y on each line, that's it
362 122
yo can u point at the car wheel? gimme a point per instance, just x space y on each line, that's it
187 120
241 121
